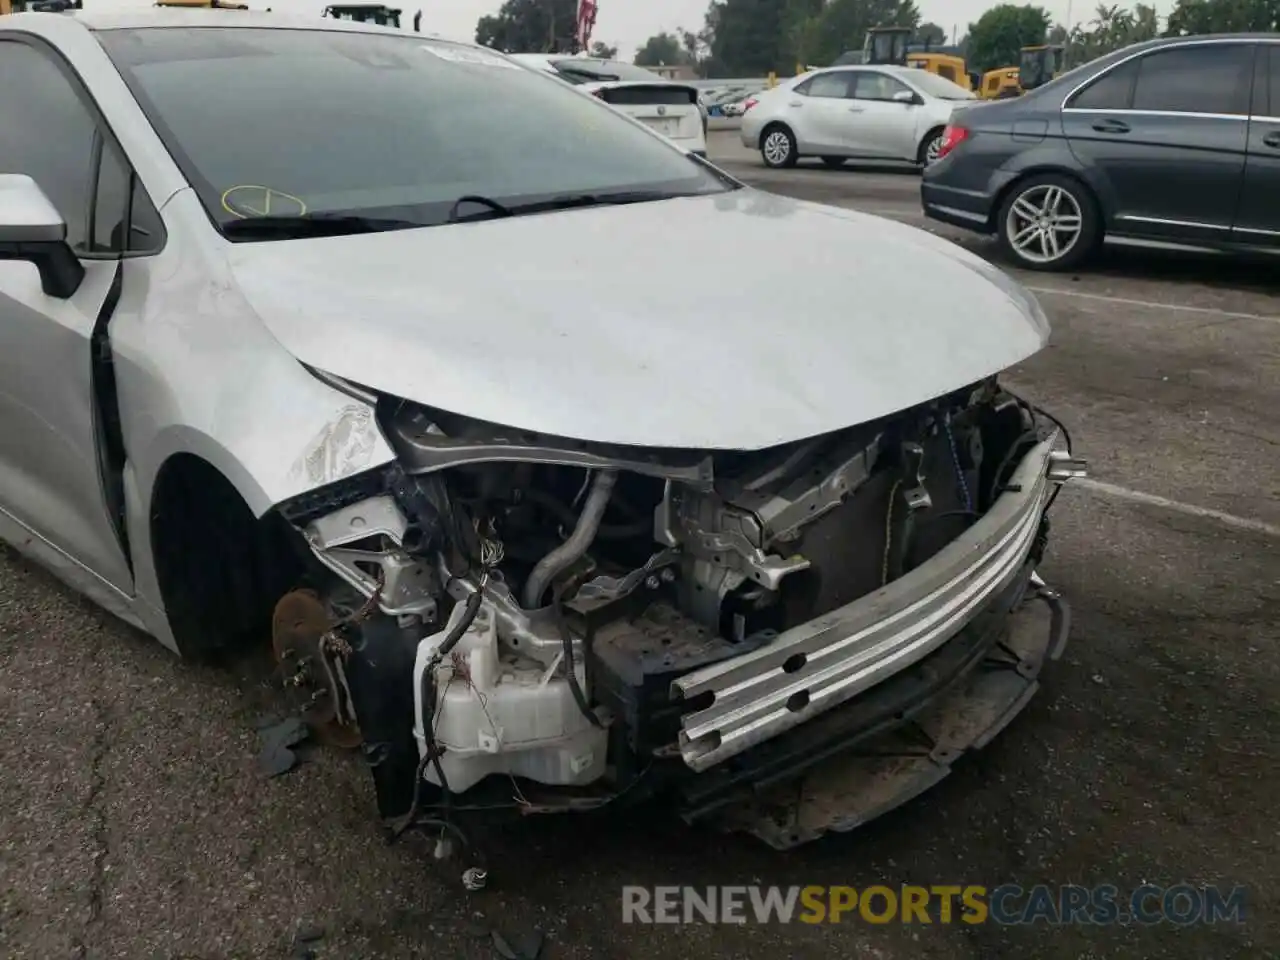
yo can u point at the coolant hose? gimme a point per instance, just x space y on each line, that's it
565 555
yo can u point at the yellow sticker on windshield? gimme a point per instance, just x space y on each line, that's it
250 200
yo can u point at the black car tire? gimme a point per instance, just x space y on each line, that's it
1074 200
778 130
834 163
926 145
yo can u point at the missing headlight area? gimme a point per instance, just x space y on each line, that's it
516 621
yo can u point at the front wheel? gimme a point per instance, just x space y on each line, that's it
1049 222
778 147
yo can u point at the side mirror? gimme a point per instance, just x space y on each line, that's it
31 229
908 97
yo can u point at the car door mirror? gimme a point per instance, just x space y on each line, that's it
908 97
31 229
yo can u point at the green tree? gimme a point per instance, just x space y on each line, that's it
603 50
1224 16
1112 28
531 26
750 36
931 34
661 49
1000 33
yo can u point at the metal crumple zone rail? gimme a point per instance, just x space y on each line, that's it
820 664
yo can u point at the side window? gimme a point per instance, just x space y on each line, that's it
829 86
1112 91
1214 78
878 86
120 200
47 133
947 72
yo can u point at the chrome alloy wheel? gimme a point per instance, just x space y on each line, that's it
777 147
933 149
1044 224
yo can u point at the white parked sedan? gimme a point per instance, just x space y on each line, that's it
882 113
667 106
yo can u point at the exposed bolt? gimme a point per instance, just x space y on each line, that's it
652 582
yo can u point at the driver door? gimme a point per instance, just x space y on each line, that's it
54 476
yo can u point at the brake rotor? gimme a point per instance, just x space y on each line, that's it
299 628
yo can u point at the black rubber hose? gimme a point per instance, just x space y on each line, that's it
429 694
566 638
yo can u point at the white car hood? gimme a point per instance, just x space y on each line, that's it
612 324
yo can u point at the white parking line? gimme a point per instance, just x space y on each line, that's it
1189 509
1154 305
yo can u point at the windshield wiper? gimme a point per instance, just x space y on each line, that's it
567 201
297 227
495 208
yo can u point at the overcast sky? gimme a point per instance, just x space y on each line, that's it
628 23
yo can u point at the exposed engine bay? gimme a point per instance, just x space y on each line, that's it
553 623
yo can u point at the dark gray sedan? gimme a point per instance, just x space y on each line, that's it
1175 141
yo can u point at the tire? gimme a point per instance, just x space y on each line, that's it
835 163
929 147
780 143
1024 239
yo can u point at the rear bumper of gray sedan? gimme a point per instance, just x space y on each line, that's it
969 209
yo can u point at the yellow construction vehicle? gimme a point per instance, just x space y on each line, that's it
1000 84
365 13
886 45
892 45
1039 64
946 65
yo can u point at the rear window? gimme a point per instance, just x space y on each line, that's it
386 125
587 71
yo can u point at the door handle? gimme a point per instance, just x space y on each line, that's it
795 103
856 109
1272 139
1111 126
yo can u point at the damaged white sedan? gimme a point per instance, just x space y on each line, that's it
397 356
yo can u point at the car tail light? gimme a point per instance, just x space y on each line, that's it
749 103
952 137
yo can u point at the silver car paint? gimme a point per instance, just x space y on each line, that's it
776 105
640 348
592 338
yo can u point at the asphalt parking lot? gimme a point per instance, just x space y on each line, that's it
135 826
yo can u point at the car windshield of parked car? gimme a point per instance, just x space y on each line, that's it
588 71
284 122
940 87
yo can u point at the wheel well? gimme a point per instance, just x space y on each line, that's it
220 569
933 132
1003 195
776 125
